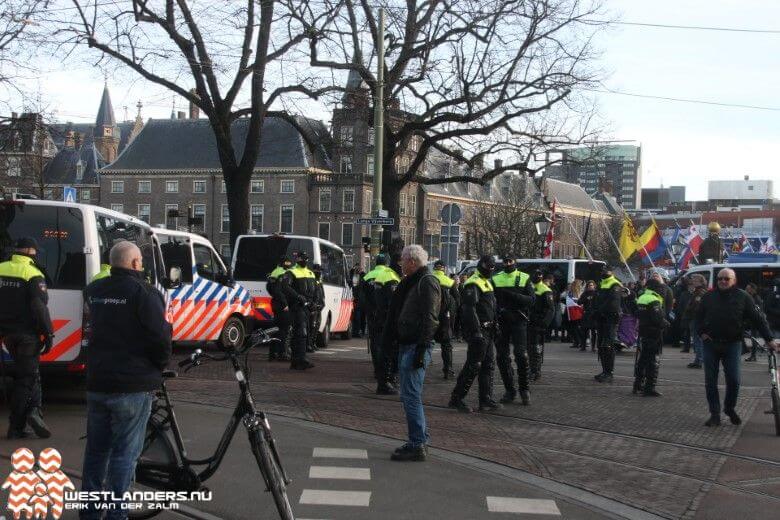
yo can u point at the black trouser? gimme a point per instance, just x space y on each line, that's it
300 332
480 362
283 321
576 333
444 338
358 321
26 395
646 372
514 330
536 348
315 318
607 335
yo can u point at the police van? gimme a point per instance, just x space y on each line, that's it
255 256
565 270
760 273
204 303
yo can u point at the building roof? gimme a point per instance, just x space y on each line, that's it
189 144
568 194
62 169
59 133
105 115
610 203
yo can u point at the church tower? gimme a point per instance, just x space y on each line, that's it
106 132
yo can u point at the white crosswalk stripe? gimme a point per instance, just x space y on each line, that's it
340 453
528 506
336 472
335 498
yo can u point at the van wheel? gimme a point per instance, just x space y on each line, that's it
347 334
323 338
233 333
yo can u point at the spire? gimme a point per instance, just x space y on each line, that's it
105 116
354 80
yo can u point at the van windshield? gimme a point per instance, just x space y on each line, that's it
256 257
59 232
588 270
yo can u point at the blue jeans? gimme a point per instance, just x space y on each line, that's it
411 381
116 424
697 344
729 355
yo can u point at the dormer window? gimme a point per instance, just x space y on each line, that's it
79 170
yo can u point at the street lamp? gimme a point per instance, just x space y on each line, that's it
542 223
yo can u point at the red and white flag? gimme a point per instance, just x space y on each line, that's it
574 310
549 239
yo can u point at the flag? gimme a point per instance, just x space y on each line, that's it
653 247
693 243
769 245
583 254
746 246
549 239
629 240
573 309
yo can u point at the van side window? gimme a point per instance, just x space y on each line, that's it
177 254
333 272
112 230
208 264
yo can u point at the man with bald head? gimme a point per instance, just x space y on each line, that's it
129 346
723 315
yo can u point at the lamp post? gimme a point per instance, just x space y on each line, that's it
542 223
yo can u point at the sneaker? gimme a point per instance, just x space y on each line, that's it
734 418
405 447
386 389
600 377
525 397
489 406
509 397
714 420
35 421
409 454
460 405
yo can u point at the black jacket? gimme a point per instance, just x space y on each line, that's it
724 315
772 306
608 300
477 308
413 316
588 302
130 341
652 318
23 298
543 310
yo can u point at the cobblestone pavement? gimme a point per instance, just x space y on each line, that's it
653 454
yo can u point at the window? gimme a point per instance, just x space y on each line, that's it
145 212
402 204
286 218
324 230
333 266
348 202
171 186
199 211
14 170
346 135
117 186
224 250
346 165
48 194
224 187
413 205
256 217
144 186
257 186
171 216
79 170
369 165
225 224
347 231
750 188
367 201
86 194
118 207
370 136
198 186
287 186
207 263
325 197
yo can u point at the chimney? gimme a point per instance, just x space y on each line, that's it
194 110
69 139
14 115
181 115
498 163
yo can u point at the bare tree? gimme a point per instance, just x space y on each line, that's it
209 53
18 23
471 79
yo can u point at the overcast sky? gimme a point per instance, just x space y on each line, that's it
682 143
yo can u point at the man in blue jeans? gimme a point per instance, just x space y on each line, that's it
722 317
412 321
129 345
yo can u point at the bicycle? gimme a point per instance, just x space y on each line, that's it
164 464
775 383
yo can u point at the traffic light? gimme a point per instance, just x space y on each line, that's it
366 244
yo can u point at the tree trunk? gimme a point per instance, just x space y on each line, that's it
237 187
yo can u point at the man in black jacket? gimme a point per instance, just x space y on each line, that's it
280 288
129 346
412 320
608 304
722 317
542 314
651 312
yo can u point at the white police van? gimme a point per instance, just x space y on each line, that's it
565 270
760 273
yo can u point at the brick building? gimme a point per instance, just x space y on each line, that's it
26 147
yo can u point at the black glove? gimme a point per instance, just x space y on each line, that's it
419 356
48 343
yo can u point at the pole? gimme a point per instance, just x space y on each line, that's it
379 132
612 239
582 242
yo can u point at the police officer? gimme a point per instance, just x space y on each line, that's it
304 291
542 314
449 297
385 354
478 322
27 332
279 287
371 293
315 311
105 267
608 301
652 322
514 298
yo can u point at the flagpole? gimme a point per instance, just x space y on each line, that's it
587 230
582 243
609 234
694 254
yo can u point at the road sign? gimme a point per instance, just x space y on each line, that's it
451 213
383 213
69 194
450 238
376 221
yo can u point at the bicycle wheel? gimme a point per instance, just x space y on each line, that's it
155 465
776 409
271 473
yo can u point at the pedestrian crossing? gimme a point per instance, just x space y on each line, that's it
522 506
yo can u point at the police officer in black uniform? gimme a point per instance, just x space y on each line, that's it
26 330
478 323
651 312
449 308
279 287
542 314
608 305
514 298
315 316
304 291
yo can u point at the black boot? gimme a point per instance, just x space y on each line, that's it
637 386
652 378
385 388
35 421
610 368
459 404
525 397
489 405
603 360
509 397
